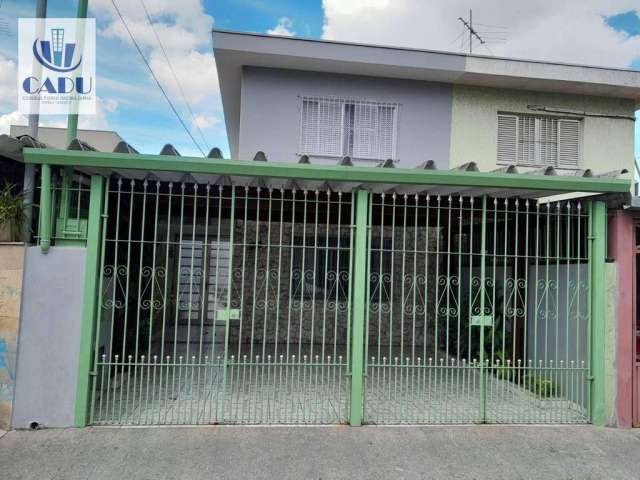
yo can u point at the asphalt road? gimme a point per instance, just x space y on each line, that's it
239 453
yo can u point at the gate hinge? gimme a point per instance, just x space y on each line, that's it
93 373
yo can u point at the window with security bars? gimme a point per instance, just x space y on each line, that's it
530 140
337 127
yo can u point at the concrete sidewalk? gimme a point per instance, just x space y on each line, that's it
239 453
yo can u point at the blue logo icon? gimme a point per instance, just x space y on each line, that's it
55 54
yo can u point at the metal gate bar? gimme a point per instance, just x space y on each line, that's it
478 311
222 304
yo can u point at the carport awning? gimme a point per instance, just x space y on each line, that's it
465 180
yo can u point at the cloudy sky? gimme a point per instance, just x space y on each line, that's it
597 32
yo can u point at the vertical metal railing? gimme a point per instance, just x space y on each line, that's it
223 304
478 311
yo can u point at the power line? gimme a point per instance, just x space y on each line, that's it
146 62
175 77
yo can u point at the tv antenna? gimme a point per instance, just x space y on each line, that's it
472 32
485 34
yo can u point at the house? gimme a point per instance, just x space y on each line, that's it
382 248
291 97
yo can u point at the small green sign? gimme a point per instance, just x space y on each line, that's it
481 321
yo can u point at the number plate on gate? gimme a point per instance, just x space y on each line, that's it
229 314
481 321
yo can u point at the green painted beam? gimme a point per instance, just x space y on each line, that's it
91 275
329 173
359 305
598 318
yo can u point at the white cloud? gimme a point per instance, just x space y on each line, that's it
204 121
284 28
12 118
569 31
184 30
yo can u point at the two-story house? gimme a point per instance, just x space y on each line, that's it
320 101
290 97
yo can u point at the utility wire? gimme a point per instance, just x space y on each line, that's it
175 77
146 62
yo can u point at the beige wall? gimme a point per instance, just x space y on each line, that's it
608 143
11 270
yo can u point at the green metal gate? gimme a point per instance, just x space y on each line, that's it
253 305
222 304
478 311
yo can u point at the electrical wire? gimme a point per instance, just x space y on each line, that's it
146 62
175 77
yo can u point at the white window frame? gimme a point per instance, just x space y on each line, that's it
505 157
313 146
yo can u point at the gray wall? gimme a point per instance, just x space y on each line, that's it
49 340
270 112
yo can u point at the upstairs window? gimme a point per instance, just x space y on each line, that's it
337 127
530 140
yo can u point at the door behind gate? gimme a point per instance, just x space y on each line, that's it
222 304
478 311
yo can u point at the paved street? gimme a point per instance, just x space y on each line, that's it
468 452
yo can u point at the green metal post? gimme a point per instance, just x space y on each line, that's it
72 118
598 239
92 276
359 305
45 208
483 254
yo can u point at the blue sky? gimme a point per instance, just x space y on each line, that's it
131 103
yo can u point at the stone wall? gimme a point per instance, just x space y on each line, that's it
306 300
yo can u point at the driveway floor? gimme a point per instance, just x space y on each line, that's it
463 452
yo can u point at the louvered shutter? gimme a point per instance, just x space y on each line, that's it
507 138
309 126
547 141
365 131
386 131
321 127
330 127
526 141
568 143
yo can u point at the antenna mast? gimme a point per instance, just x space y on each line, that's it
472 32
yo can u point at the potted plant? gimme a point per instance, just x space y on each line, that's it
11 213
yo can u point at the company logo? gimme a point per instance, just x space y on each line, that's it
55 54
56 66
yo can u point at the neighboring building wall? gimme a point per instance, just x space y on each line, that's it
11 270
607 143
610 337
622 249
49 341
270 112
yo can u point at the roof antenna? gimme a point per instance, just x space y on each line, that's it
472 32
484 33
